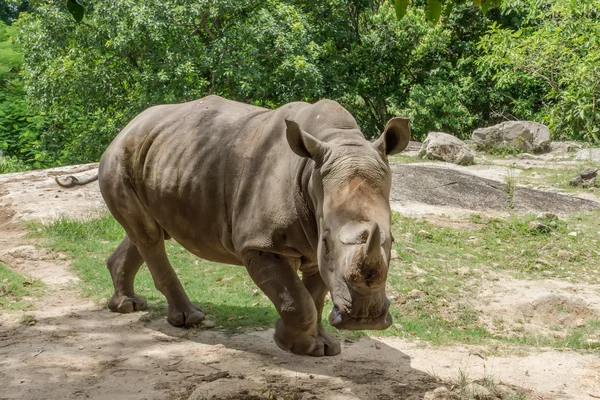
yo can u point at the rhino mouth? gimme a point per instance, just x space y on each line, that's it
344 320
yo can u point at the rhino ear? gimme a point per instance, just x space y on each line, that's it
395 137
303 143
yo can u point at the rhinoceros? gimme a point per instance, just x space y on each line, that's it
298 188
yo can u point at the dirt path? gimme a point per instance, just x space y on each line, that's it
75 349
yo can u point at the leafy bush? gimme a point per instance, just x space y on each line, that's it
551 64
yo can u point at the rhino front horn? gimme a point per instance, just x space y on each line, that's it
374 245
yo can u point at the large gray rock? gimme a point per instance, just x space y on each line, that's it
590 155
451 188
523 135
445 147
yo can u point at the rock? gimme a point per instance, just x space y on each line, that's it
440 393
585 178
538 226
563 147
526 136
505 392
441 186
574 234
416 294
208 324
480 392
547 215
592 155
425 234
394 255
445 147
413 146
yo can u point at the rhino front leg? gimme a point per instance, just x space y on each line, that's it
318 290
297 330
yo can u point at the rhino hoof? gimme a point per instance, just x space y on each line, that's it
127 304
186 319
308 344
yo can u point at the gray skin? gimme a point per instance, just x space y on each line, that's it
296 188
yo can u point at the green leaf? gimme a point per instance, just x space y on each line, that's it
434 10
75 9
448 9
485 5
400 7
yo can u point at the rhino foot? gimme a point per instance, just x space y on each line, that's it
127 304
187 318
316 344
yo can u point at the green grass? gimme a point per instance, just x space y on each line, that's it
555 177
444 266
15 289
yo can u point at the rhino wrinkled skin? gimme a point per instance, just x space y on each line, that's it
296 188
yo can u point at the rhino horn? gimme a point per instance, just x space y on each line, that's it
373 254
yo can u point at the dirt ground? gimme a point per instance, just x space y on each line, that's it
76 349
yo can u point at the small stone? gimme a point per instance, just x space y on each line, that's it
538 226
208 324
440 393
394 255
311 376
80 347
574 234
480 392
103 301
547 215
585 178
505 392
564 255
398 326
425 234
416 294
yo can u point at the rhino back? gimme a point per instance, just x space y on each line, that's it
217 175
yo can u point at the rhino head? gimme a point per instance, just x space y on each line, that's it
350 190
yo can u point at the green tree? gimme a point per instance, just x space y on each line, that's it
549 67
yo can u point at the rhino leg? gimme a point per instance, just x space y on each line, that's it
181 312
123 264
149 239
297 330
318 290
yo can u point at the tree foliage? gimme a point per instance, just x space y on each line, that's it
554 60
81 82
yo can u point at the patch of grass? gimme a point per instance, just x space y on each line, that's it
15 290
555 177
403 159
440 268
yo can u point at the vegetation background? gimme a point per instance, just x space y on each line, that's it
67 88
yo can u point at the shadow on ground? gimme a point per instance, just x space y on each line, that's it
89 352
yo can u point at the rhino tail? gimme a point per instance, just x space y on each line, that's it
72 180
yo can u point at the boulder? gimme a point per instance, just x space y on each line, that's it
445 147
523 135
590 155
585 178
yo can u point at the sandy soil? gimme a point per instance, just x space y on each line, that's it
75 349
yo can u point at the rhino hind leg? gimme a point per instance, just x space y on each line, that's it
148 237
318 290
123 265
297 330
